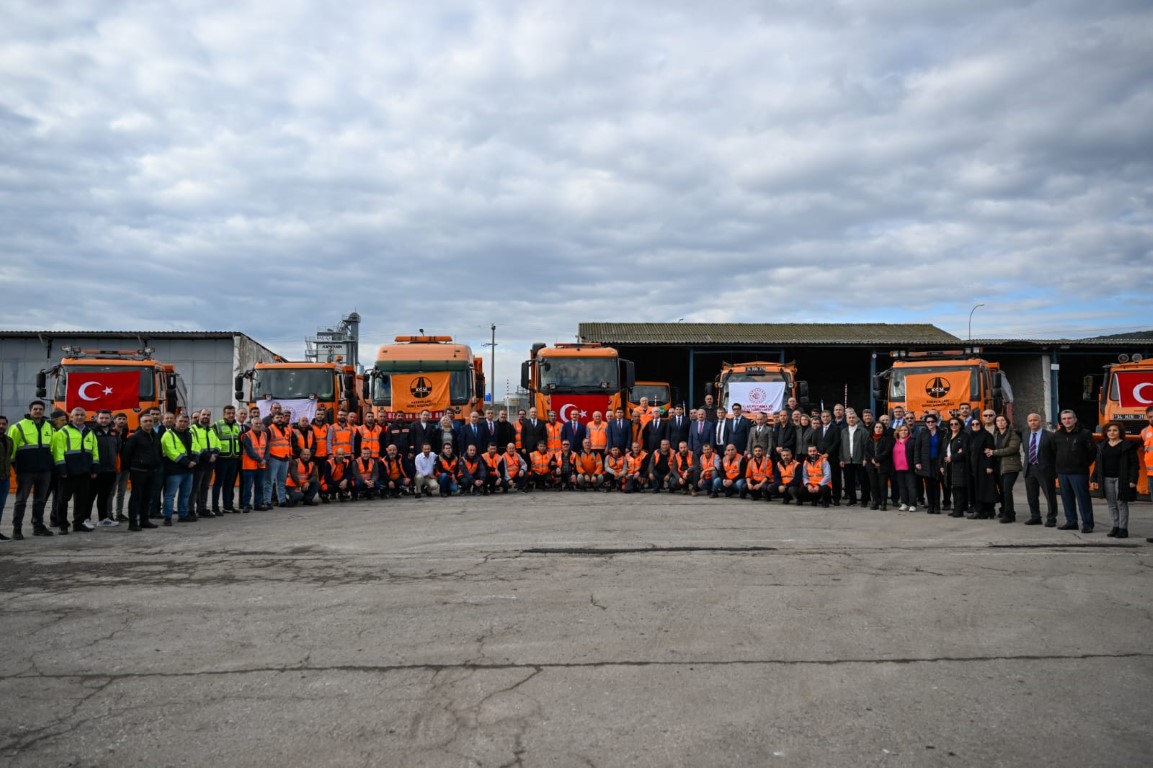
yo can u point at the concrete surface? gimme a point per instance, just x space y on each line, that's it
514 631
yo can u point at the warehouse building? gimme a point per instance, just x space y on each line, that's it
207 360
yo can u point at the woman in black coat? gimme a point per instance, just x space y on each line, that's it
880 467
955 466
1115 475
982 472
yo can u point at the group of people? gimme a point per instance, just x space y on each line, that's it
186 466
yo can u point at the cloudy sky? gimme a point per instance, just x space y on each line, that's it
270 166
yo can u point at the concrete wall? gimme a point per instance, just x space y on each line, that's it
1029 377
208 365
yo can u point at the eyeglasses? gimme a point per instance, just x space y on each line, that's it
990 415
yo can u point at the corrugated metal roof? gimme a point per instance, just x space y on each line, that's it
1096 341
127 334
765 333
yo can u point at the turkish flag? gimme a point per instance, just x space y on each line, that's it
1135 389
95 390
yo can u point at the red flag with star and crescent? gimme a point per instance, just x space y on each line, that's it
1135 389
114 390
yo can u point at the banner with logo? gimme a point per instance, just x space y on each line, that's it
412 393
294 408
757 396
1134 389
93 390
940 390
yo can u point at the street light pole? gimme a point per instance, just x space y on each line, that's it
971 311
492 367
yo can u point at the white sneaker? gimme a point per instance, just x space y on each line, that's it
88 526
903 508
108 522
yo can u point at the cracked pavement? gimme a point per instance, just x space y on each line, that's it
578 630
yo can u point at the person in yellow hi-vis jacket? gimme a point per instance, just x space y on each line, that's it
76 453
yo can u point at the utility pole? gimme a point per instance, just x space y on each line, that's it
492 367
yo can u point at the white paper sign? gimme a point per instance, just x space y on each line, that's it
294 408
757 396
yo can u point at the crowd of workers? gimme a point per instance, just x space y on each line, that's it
186 466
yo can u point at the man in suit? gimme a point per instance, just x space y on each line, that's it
620 431
678 427
532 431
475 433
700 433
504 431
856 450
421 431
739 431
785 435
573 430
928 450
760 434
829 445
722 429
656 431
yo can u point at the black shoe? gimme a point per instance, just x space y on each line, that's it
122 518
884 507
63 530
246 510
168 522
825 504
41 531
713 495
946 505
1033 521
4 538
835 504
190 518
233 511
216 511
1123 533
1050 523
133 527
1067 527
1086 528
207 514
872 506
18 535
955 514
147 524
1008 519
1113 533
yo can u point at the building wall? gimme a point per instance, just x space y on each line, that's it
208 365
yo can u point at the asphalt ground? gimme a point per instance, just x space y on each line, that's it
579 629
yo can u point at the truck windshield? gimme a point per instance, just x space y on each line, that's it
897 379
460 387
293 383
147 380
657 395
578 374
382 390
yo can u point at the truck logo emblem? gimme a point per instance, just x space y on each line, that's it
421 388
937 388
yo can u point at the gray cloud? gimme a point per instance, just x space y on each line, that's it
268 167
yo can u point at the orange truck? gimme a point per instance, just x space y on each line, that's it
1126 390
943 381
432 373
302 388
758 386
580 378
658 393
122 381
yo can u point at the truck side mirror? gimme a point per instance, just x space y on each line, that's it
238 388
630 374
878 388
42 384
802 392
1087 388
526 374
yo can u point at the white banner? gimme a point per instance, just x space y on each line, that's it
294 408
757 396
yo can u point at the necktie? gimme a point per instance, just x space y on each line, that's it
1033 449
720 431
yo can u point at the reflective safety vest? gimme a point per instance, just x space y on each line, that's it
598 436
446 465
708 465
541 462
342 440
321 436
75 451
1147 440
682 463
732 467
394 467
370 438
472 468
365 467
616 465
492 461
588 464
257 440
788 472
634 463
280 442
297 469
815 472
758 472
518 426
553 431
336 471
511 464
228 435
302 440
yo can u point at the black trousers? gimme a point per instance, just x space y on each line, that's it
853 475
74 488
201 482
101 489
1038 483
837 478
225 473
35 484
139 501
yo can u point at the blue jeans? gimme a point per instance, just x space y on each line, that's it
738 486
447 483
1074 494
178 487
252 480
3 496
277 475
